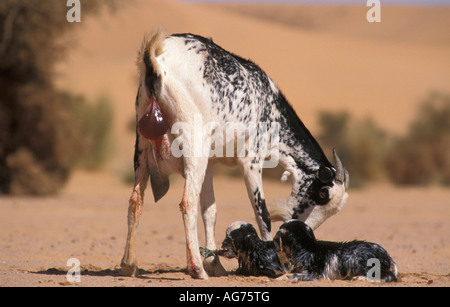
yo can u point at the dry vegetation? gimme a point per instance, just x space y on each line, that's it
44 133
422 156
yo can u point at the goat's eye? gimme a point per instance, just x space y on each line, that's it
323 193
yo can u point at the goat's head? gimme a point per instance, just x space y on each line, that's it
237 235
325 196
292 236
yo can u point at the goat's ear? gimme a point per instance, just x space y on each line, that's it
325 174
309 233
277 242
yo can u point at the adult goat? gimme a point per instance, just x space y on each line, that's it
185 78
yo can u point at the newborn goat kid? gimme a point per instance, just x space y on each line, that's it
255 257
314 259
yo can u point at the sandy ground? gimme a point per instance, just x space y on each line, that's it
87 221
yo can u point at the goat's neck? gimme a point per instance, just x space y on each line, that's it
300 154
300 166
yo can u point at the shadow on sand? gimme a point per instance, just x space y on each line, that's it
90 270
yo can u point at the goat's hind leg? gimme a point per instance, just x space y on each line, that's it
195 169
129 260
128 264
208 208
211 263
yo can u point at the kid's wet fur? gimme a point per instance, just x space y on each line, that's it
313 259
255 257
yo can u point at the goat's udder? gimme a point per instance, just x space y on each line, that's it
153 125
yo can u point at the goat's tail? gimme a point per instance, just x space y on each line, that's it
280 211
148 67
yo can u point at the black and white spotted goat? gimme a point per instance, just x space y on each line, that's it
188 79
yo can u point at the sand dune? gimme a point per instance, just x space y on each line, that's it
322 58
412 24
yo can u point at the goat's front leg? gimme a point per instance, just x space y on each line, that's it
128 264
194 173
211 263
208 208
252 169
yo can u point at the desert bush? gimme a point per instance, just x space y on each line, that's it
334 129
50 135
93 121
361 145
422 156
39 134
368 148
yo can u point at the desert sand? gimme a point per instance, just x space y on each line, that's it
87 221
334 60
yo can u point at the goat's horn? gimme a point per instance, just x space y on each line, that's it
346 179
340 171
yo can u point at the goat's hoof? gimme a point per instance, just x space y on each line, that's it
129 270
198 273
213 266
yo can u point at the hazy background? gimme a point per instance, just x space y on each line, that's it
378 92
